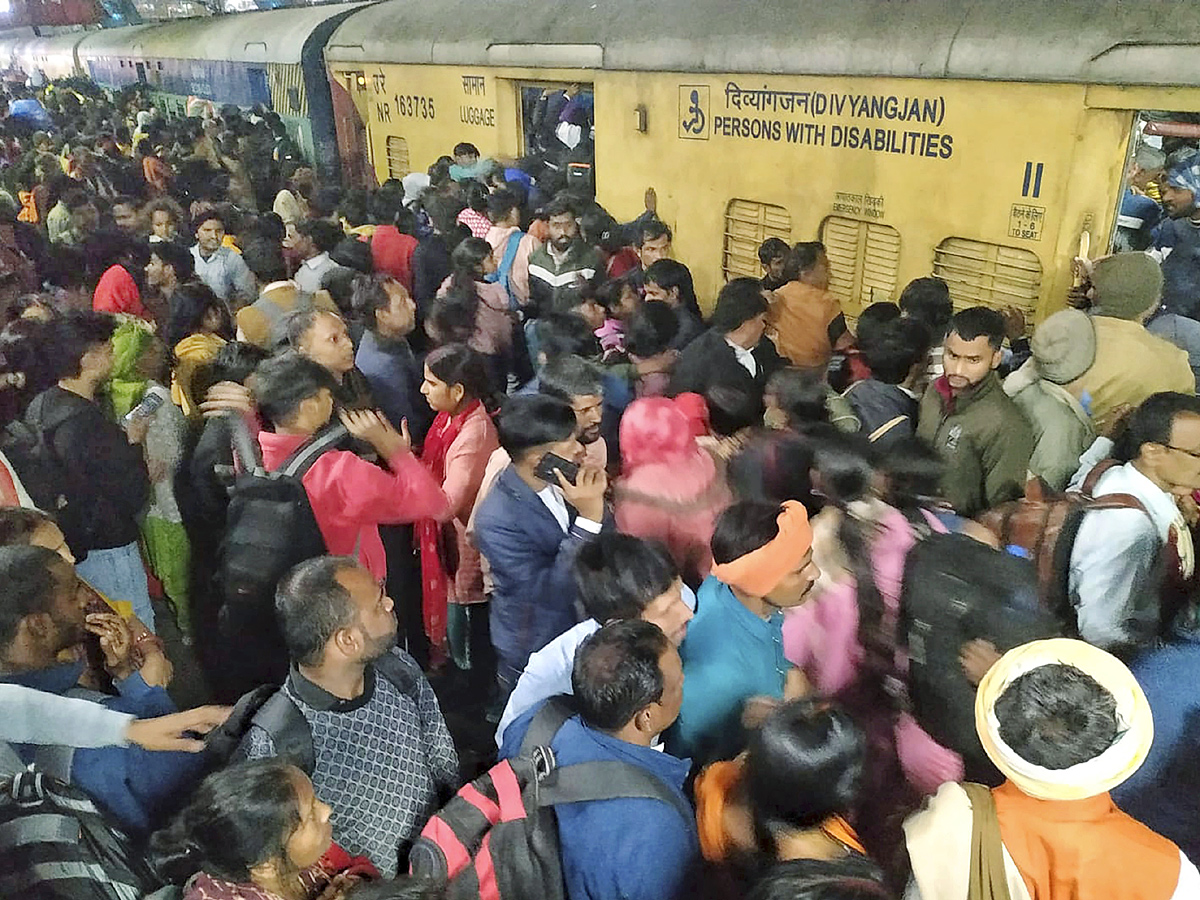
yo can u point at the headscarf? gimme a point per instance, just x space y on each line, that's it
760 571
126 385
1186 176
1086 779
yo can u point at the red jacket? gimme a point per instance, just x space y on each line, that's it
117 292
392 252
351 497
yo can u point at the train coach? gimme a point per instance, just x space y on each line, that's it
978 141
271 57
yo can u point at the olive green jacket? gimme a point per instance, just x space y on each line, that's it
985 440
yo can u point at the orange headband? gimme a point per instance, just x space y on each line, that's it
760 571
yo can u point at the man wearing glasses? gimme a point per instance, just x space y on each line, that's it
1130 568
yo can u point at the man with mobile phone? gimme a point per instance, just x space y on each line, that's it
532 524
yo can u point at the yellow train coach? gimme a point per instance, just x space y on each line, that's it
979 141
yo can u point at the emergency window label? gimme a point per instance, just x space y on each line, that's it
1026 222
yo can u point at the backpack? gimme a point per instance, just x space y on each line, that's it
269 529
271 709
503 273
55 844
498 837
956 590
28 445
1045 524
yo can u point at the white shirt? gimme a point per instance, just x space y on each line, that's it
309 275
552 496
745 358
1111 582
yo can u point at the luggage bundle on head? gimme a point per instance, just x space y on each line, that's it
1045 523
956 590
498 838
56 845
269 529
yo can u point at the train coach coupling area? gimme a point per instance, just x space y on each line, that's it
394 527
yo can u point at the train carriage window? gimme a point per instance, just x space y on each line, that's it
983 274
747 224
864 259
397 157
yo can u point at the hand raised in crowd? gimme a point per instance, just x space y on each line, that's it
173 732
137 429
372 426
116 643
976 657
587 493
226 397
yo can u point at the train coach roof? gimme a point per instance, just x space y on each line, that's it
269 36
1107 41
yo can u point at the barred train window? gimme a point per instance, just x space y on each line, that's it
747 224
397 157
983 274
864 258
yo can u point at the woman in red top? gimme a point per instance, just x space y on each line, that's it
456 452
256 831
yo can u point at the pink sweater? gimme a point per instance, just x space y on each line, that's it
821 638
466 461
351 497
498 236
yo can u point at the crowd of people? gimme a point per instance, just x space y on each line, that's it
785 602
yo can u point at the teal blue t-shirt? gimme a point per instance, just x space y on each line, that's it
729 655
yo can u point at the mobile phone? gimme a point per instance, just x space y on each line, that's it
551 461
148 407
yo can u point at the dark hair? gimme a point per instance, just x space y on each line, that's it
465 149
459 364
324 202
617 673
501 203
325 235
601 230
18 524
893 348
617 575
912 469
294 325
68 339
352 255
1057 716
177 257
210 214
565 334
567 377
979 321
801 258
385 205
369 296
238 818
805 764
76 199
872 317
801 394
190 303
265 259
353 207
651 329
312 606
771 249
739 301
236 361
477 197
850 878
283 382
403 887
531 421
562 205
27 586
670 273
928 299
1152 422
744 527
652 230
466 263
772 467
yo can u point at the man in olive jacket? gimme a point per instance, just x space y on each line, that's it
982 435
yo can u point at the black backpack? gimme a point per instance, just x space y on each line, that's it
498 837
28 444
55 844
955 590
269 529
271 709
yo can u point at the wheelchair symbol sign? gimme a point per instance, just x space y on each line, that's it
693 112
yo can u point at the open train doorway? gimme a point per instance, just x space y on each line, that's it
558 130
1160 141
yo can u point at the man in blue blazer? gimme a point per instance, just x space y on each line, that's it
529 529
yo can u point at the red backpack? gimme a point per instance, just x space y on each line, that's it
497 839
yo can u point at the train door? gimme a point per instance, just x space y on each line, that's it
1160 140
558 128
141 73
348 91
260 87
